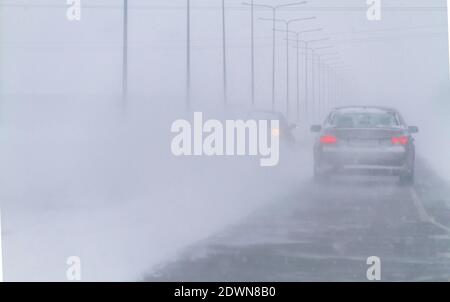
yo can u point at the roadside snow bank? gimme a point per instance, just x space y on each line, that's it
86 181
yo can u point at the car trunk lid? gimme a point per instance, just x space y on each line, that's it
370 137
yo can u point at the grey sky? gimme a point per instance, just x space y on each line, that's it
403 56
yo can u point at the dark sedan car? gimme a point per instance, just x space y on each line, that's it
372 140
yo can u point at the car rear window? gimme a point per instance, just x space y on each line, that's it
364 120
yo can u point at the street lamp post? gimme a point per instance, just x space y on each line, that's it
298 41
307 43
323 71
298 35
298 47
274 9
319 83
333 66
337 85
332 86
288 23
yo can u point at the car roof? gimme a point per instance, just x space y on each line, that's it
365 109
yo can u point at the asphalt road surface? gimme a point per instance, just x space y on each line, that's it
326 233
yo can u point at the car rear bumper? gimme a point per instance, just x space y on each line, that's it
365 169
384 161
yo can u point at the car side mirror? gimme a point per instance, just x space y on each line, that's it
413 129
316 128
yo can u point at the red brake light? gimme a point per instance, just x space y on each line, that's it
401 140
328 140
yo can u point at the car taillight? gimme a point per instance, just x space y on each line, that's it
400 140
328 140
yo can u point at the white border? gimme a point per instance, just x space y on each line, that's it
448 24
1 251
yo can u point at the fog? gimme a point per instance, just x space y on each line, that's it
86 174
